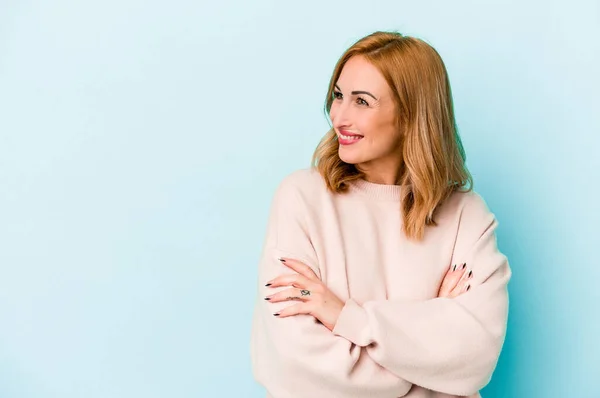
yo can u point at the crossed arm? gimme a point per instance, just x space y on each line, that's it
450 345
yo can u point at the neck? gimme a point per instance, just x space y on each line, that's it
390 176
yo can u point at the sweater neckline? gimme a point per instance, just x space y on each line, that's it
377 191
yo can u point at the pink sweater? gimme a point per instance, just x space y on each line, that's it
394 337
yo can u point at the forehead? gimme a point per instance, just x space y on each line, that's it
360 74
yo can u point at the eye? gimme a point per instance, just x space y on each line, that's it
361 101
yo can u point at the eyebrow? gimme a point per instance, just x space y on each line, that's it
358 92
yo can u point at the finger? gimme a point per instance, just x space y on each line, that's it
296 280
290 295
299 267
451 268
461 288
467 274
464 284
296 309
453 275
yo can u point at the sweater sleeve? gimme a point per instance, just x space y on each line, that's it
297 356
446 345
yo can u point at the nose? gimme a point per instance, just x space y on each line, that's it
340 115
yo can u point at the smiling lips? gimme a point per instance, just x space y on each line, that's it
347 138
349 133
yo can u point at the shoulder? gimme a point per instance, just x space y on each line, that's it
292 204
469 209
306 183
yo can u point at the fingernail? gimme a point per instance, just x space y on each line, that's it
468 287
276 314
267 298
470 273
464 265
282 260
268 284
454 269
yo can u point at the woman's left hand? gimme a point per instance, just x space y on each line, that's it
315 298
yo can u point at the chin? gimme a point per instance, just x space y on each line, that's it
349 158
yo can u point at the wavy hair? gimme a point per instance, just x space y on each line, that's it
433 157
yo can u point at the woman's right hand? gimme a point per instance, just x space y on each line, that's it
456 281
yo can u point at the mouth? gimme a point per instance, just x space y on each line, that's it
347 138
347 135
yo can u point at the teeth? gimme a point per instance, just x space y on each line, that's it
350 137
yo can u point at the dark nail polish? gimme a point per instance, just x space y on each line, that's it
267 298
282 260
470 273
464 265
268 284
454 269
468 287
276 314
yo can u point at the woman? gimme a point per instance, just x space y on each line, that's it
380 275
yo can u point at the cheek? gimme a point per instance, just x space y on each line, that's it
382 130
369 124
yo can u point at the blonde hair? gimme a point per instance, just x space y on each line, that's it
433 157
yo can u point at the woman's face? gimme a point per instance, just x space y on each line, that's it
363 105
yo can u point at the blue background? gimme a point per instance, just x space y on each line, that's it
141 141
